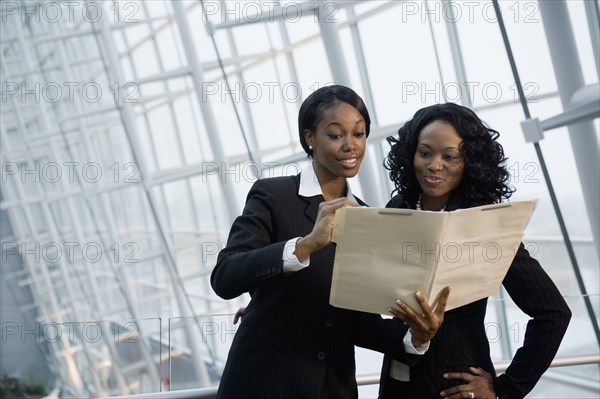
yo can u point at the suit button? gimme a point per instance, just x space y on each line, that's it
328 323
321 356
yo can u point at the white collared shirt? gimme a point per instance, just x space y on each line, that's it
309 187
309 184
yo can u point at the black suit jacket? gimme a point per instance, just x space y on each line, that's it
461 341
291 343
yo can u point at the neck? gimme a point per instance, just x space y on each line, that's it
433 204
333 189
332 186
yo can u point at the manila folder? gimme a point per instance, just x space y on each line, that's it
387 254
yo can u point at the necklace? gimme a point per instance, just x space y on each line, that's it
419 208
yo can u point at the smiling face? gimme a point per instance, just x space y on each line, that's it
338 142
439 163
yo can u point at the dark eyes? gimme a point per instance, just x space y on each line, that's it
445 157
335 136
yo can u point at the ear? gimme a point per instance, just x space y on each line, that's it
309 136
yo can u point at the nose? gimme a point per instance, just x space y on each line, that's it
350 143
436 164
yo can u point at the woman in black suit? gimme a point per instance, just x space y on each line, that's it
444 159
292 343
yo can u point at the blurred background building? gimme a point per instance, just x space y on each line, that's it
131 132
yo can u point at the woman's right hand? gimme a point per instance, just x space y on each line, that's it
322 232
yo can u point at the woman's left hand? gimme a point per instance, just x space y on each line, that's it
479 384
239 314
425 324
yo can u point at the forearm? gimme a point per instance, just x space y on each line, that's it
237 272
385 336
542 341
534 292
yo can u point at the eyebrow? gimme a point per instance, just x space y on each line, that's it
447 148
339 124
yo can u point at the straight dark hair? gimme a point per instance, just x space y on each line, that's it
312 109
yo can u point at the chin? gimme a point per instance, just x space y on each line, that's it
347 174
435 194
352 172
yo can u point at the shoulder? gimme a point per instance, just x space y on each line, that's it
277 182
397 202
275 186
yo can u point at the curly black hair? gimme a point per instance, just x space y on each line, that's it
485 178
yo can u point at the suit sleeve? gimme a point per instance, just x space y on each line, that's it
383 335
535 294
250 258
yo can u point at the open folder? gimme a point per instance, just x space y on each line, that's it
387 254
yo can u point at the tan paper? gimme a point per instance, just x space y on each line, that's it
388 254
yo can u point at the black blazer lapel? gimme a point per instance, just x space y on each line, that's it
312 203
312 206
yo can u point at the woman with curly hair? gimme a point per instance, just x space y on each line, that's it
445 158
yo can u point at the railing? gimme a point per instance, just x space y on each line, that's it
502 366
211 393
198 393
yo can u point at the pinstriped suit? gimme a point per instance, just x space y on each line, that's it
291 343
461 341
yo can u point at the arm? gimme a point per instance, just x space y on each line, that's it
250 258
535 294
383 335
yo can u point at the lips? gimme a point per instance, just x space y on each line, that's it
349 162
433 180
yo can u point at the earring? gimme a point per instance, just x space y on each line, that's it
310 147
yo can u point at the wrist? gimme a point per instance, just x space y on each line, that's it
416 341
304 247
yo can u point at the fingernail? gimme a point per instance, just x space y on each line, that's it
419 294
445 375
442 393
399 302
